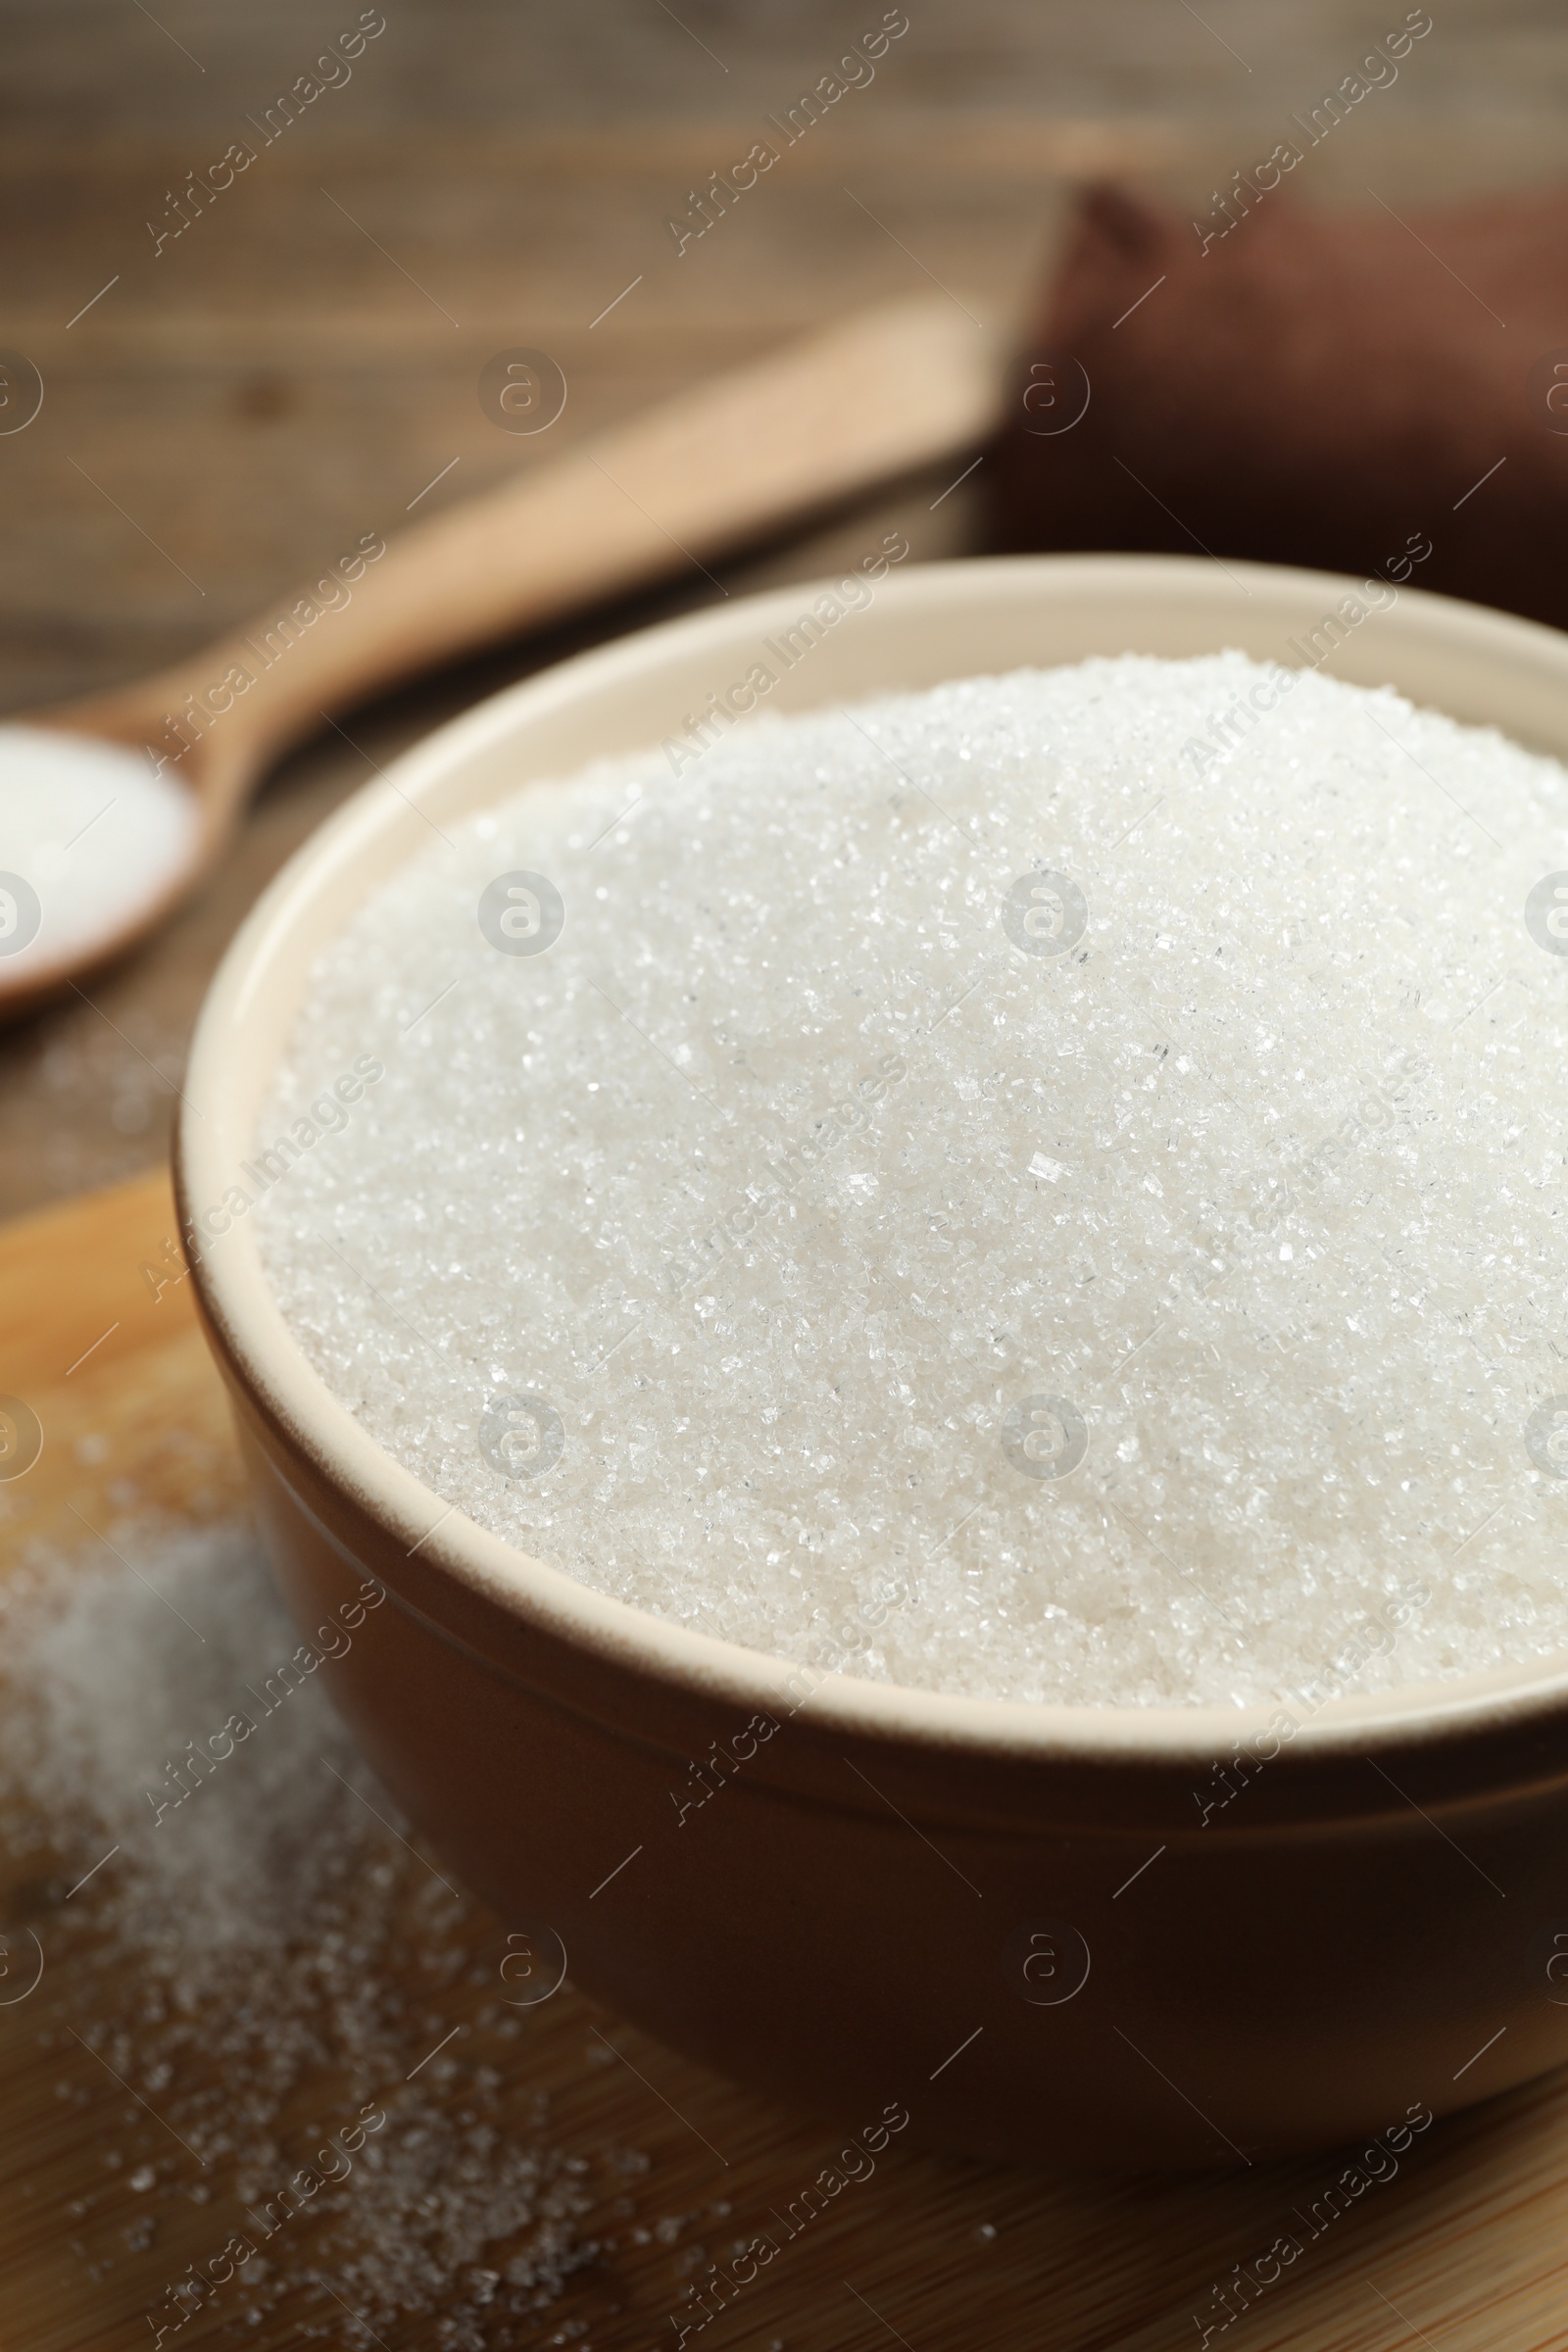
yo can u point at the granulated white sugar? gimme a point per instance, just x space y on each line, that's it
1051 1188
89 837
229 1922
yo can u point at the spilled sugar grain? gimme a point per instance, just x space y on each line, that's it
230 1962
989 1191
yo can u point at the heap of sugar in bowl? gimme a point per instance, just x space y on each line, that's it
1048 1189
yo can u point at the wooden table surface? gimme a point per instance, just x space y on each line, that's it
228 413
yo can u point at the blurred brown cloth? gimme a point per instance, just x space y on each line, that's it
1335 390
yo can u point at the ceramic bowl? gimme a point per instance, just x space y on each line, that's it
1010 1920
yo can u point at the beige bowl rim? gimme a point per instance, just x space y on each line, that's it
235 1045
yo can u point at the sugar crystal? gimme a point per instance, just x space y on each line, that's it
1051 1187
231 1921
90 837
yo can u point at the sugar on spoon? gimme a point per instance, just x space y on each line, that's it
113 807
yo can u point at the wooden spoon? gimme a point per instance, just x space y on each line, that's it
832 413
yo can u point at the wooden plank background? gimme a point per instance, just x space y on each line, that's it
235 411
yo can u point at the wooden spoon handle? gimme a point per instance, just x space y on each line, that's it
833 413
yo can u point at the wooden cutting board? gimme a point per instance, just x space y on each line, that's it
1466 2249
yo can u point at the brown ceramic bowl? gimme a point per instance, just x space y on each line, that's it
897 1897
